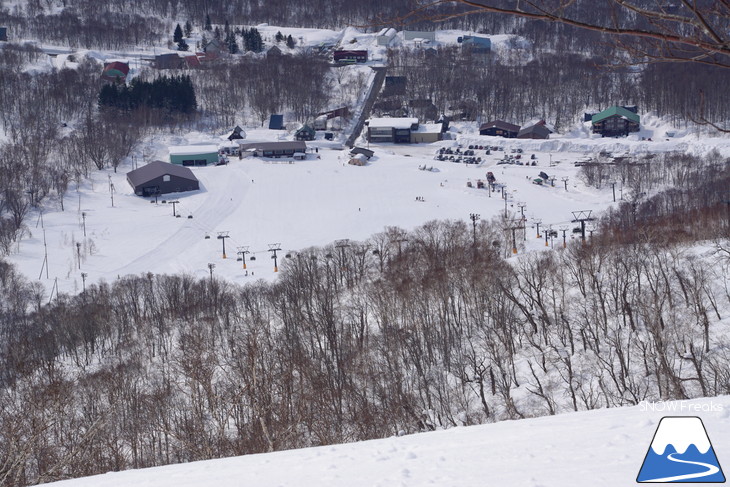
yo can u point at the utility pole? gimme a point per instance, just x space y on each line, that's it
210 268
173 203
399 240
565 182
342 245
514 225
83 280
78 253
474 217
582 216
613 188
537 224
83 218
273 248
222 236
564 230
522 205
242 251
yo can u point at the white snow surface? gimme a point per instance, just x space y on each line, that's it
587 449
681 433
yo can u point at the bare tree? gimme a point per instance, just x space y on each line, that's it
684 31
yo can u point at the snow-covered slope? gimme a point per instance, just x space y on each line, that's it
587 449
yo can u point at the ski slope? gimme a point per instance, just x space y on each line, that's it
587 449
299 204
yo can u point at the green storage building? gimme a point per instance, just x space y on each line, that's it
194 155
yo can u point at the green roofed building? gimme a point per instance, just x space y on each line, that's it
615 121
194 155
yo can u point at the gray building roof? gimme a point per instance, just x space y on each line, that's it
157 169
538 130
297 146
500 125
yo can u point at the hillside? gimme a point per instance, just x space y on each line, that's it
601 448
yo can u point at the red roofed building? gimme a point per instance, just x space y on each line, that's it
116 70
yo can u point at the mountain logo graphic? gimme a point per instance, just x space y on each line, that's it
681 452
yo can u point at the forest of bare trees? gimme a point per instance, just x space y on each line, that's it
408 331
527 83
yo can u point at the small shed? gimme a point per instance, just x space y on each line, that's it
360 150
194 155
237 133
274 51
305 132
499 128
276 122
3 33
160 177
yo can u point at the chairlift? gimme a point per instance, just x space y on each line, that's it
190 217
220 237
288 256
207 236
163 202
328 255
178 216
253 257
239 259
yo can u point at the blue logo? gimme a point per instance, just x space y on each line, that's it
681 452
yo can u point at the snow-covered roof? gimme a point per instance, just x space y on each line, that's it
397 123
429 128
185 150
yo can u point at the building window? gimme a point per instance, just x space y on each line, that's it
166 178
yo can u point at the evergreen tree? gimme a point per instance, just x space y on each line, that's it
256 41
182 45
217 33
108 96
207 25
178 35
290 43
279 37
227 27
188 28
231 43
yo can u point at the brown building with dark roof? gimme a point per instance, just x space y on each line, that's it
161 178
499 128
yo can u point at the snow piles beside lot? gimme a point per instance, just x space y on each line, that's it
595 448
